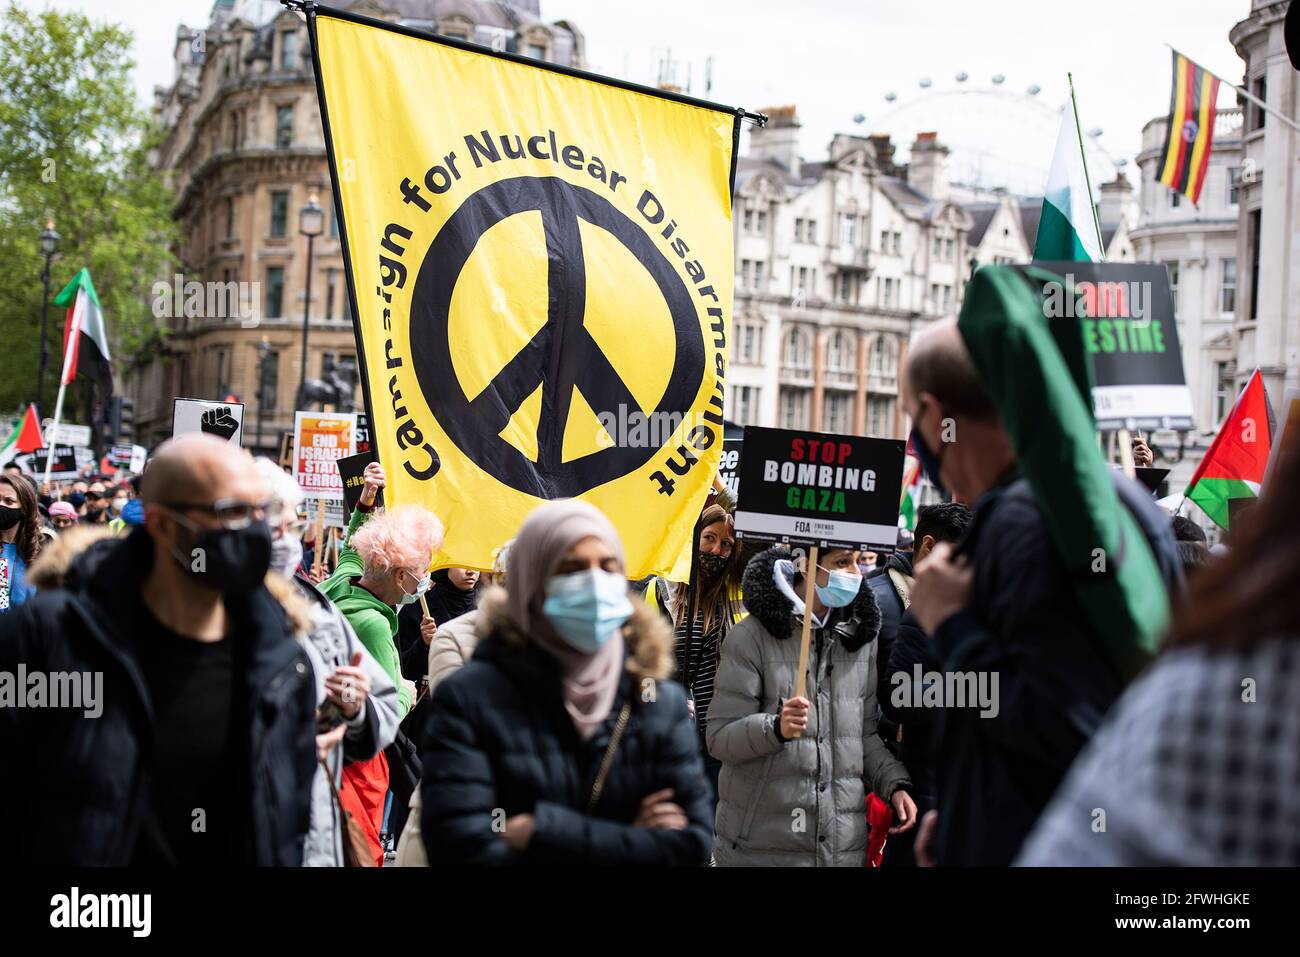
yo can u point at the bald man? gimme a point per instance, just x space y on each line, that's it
197 746
999 606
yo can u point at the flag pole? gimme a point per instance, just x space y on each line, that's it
74 331
1083 154
1244 92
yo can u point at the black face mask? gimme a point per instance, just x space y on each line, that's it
228 560
9 517
711 566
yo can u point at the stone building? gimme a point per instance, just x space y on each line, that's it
244 151
1266 317
838 263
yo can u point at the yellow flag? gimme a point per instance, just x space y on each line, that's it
541 263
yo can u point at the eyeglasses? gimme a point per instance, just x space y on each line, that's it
231 513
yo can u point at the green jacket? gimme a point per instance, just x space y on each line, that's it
374 621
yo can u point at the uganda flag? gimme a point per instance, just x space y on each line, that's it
1189 132
1235 464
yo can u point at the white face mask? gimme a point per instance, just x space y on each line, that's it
286 554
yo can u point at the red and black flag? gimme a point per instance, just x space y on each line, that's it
1189 133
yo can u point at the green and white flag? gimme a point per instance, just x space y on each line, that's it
1067 230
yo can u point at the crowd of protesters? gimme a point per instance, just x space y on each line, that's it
258 710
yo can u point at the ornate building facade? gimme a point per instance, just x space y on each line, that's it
838 263
244 151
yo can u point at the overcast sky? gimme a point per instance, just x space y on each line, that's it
835 59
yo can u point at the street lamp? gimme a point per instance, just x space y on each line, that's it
49 246
311 223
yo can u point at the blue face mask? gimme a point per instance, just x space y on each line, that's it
929 461
840 589
586 608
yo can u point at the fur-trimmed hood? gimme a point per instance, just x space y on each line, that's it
646 636
856 624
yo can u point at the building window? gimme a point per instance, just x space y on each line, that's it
747 220
762 222
279 213
889 290
947 298
938 247
537 51
1228 286
749 343
230 217
798 229
283 127
848 229
1222 392
803 279
1257 116
223 386
274 291
837 413
1234 182
884 240
331 287
289 50
1252 238
880 416
1175 199
796 349
846 287
811 230
839 352
794 408
898 243
744 404
1173 283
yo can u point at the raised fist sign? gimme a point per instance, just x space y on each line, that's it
219 422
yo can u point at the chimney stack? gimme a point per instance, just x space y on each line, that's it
1116 197
779 140
927 173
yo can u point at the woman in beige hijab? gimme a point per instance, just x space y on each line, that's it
562 742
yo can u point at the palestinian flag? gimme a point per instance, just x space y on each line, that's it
26 437
1235 463
907 508
1189 131
1067 229
85 336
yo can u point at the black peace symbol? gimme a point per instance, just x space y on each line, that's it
561 355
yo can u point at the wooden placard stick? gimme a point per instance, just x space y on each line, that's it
1126 452
319 550
810 579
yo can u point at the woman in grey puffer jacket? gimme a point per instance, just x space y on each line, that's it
800 801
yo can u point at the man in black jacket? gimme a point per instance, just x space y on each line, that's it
203 750
1003 609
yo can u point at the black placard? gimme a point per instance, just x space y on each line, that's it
815 488
65 460
352 471
729 467
1131 337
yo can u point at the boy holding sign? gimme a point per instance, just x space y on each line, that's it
794 725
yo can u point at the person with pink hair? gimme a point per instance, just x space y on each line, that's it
383 564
